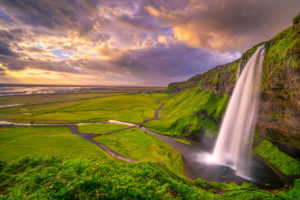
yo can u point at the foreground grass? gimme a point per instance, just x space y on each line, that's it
101 128
57 179
53 178
136 144
124 107
16 142
190 111
277 158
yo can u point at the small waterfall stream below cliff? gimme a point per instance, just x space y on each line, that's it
233 144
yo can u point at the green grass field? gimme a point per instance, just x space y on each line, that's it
101 128
17 142
124 107
136 144
49 98
181 141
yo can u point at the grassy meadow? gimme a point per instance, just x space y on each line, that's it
131 107
53 163
17 142
136 144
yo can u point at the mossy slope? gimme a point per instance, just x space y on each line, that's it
278 159
189 111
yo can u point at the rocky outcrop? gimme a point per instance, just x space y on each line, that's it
279 116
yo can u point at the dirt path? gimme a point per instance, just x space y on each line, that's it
156 116
189 153
74 130
90 136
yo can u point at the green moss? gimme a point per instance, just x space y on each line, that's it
16 142
54 178
190 111
293 193
136 144
101 128
278 55
278 159
245 191
182 141
127 107
210 80
274 115
250 52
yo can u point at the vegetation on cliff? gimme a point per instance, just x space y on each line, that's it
281 161
193 110
279 115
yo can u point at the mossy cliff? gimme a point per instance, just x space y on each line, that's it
280 102
279 116
277 135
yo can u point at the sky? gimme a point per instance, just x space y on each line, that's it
138 42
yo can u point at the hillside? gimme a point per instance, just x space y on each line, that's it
280 102
196 106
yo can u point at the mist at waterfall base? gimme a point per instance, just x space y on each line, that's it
231 158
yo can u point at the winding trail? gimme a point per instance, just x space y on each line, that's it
74 130
156 115
90 136
190 153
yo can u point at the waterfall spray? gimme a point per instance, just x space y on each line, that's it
232 146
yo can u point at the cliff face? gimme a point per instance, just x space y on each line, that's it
279 116
220 79
280 102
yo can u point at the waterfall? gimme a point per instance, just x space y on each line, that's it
233 142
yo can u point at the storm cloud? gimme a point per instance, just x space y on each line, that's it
225 25
132 42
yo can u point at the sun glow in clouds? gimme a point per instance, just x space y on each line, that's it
39 76
145 42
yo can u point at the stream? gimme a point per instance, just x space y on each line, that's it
263 175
